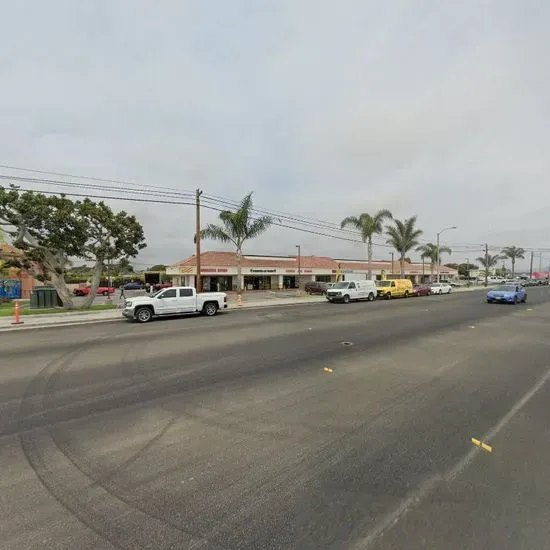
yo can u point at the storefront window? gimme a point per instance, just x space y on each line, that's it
257 283
289 281
217 284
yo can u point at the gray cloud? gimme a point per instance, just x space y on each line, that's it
324 109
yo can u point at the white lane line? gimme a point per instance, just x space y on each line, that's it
409 503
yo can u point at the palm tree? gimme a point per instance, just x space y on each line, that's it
403 236
368 226
238 227
429 251
513 253
488 263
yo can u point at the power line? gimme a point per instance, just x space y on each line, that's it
89 178
160 191
158 201
60 183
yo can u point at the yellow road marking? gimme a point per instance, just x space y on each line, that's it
482 445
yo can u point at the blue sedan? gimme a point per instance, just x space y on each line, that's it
507 294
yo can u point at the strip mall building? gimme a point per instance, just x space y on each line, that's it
219 271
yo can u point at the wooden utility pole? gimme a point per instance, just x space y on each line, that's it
486 262
198 238
531 266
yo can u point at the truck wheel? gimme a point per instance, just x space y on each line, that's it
371 297
406 295
388 296
144 315
210 309
346 299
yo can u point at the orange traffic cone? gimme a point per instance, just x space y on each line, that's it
17 314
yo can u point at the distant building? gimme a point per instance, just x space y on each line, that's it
219 271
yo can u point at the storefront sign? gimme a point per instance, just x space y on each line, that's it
223 270
263 270
290 271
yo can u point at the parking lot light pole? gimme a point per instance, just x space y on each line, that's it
438 259
299 264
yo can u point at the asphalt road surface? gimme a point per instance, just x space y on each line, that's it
227 432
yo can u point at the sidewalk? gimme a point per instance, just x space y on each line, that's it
79 317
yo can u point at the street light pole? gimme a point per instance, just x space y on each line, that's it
299 264
198 284
438 258
391 264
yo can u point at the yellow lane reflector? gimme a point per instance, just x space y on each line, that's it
482 445
326 369
529 309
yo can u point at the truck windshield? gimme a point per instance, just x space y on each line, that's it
383 283
341 285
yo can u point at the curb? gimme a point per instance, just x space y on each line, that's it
71 323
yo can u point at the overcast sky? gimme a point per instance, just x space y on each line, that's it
322 108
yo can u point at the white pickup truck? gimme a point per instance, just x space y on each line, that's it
176 300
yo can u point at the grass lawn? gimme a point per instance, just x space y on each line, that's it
6 310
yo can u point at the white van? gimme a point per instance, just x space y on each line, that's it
346 291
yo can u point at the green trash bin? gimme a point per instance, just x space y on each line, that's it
45 297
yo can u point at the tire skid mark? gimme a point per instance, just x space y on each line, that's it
114 519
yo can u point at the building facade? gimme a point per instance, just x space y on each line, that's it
219 271
14 277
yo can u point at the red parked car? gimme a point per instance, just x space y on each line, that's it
421 290
101 291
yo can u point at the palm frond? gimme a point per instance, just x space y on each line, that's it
352 221
403 236
378 219
513 252
216 233
258 226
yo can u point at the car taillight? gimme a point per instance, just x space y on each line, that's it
225 298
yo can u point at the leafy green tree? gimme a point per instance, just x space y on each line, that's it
465 268
51 230
158 267
237 228
368 226
513 253
403 236
428 251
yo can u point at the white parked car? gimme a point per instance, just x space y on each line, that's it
177 300
440 288
346 291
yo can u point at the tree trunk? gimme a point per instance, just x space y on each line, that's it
63 291
50 264
96 278
402 266
369 258
239 273
431 272
513 267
